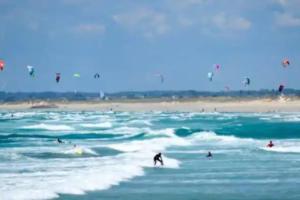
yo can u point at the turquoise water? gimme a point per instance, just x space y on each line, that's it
113 155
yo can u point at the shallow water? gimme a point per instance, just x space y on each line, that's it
113 155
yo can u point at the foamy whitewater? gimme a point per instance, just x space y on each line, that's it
113 156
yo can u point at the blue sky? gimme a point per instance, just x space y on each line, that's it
129 41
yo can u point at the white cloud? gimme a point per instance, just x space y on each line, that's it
292 4
230 23
185 22
287 20
289 16
282 2
90 28
149 22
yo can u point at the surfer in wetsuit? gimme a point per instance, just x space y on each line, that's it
209 155
158 158
270 145
59 141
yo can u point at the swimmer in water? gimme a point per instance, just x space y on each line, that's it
270 145
209 155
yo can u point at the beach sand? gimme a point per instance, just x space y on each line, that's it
189 105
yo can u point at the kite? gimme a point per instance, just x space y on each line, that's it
76 75
217 67
162 78
210 75
285 62
2 64
57 77
31 70
96 76
246 81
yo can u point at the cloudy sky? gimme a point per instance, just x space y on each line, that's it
129 41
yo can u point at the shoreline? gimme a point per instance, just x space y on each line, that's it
188 105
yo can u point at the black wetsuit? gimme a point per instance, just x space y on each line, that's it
59 141
209 155
158 158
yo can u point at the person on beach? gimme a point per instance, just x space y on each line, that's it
209 155
270 145
158 158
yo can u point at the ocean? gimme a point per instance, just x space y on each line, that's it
113 156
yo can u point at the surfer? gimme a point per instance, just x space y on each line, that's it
209 155
59 141
270 145
158 158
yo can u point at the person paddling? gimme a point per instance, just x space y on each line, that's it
270 145
209 155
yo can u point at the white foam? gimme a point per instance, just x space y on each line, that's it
18 115
292 118
281 117
51 127
150 145
80 150
162 132
24 114
98 125
211 137
142 122
124 130
283 149
222 151
75 176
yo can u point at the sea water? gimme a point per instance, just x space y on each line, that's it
113 156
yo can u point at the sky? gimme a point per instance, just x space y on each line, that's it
128 42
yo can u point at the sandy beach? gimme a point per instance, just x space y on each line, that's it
189 105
